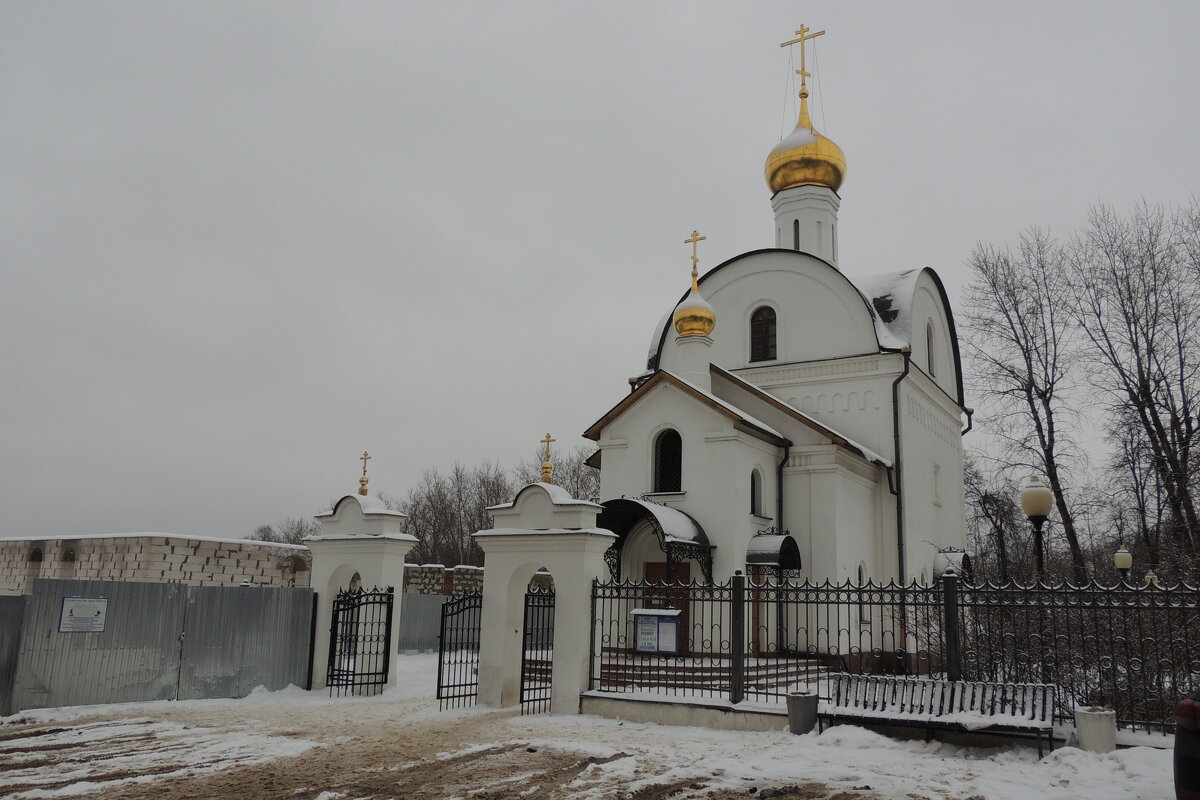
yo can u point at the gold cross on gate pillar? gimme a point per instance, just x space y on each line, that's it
694 240
362 482
803 36
546 466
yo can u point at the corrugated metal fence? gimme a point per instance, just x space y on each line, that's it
12 612
420 622
159 641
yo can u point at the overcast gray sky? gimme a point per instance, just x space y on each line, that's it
242 242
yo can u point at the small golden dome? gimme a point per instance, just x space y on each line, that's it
694 316
805 157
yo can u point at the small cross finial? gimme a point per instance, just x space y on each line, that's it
803 35
362 482
694 240
546 466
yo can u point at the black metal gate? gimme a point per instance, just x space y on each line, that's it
360 641
458 651
537 656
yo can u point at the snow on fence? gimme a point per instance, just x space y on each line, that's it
1133 648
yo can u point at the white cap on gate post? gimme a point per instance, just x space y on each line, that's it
359 536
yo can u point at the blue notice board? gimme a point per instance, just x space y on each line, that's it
656 630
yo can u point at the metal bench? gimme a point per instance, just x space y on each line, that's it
1022 709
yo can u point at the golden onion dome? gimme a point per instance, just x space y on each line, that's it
805 157
694 316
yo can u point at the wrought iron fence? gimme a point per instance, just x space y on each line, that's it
537 654
1135 649
360 641
458 651
694 658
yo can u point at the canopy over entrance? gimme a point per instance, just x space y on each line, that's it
679 535
774 551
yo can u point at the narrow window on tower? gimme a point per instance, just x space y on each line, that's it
833 233
820 240
756 493
929 349
762 334
668 462
795 234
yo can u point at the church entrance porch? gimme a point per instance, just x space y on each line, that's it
645 530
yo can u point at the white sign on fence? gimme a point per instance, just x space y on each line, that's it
83 615
657 630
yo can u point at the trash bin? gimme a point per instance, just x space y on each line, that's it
802 711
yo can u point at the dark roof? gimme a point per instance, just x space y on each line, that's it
740 421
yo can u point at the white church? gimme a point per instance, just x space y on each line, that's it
793 419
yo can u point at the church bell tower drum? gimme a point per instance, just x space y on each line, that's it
804 171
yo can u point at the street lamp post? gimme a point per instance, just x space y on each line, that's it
1123 561
1037 501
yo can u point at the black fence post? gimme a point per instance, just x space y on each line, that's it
737 639
950 609
388 644
331 679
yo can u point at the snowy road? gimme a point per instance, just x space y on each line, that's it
296 744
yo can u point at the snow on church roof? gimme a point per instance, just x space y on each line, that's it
676 525
367 504
557 494
891 299
659 330
749 424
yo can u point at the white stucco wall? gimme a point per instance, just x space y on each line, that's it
717 461
823 317
930 427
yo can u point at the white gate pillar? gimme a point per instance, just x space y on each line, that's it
359 536
573 552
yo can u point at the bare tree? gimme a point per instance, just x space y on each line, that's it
994 522
1135 282
1019 343
569 471
292 530
445 508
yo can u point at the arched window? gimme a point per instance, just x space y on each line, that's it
35 554
668 462
929 349
795 234
756 492
762 334
68 555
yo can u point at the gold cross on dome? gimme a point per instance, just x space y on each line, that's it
362 482
803 36
695 241
547 468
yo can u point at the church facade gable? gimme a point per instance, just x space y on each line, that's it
818 312
719 455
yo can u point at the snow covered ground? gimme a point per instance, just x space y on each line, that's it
297 744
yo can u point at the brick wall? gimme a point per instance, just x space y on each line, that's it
438 579
149 558
197 562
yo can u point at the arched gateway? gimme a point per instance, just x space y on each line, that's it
542 528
